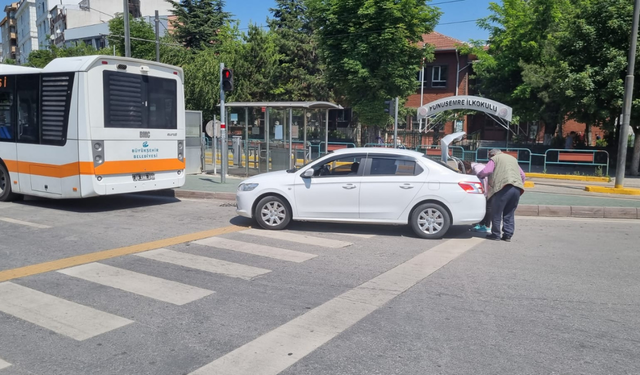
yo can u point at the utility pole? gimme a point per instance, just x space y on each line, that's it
157 37
127 35
223 133
628 98
395 126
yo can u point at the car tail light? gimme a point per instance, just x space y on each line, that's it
472 187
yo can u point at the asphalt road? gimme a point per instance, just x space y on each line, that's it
154 285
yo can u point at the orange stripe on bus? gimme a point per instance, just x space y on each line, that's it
136 166
86 167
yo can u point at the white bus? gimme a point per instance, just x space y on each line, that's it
89 126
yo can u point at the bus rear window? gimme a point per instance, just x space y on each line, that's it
135 101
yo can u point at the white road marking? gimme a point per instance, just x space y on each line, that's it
299 238
4 364
134 282
255 249
56 314
206 264
20 222
275 351
359 235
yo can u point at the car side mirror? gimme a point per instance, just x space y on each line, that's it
308 173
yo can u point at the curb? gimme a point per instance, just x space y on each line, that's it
612 190
568 177
523 209
578 211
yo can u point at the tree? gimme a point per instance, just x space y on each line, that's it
198 22
255 74
142 37
521 66
369 49
299 76
40 58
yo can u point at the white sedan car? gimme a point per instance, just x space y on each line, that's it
366 185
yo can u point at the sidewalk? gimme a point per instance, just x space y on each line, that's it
555 198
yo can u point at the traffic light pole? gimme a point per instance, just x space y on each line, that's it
223 133
395 127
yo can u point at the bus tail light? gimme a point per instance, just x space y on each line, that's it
98 153
181 150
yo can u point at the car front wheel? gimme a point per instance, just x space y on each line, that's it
273 213
430 220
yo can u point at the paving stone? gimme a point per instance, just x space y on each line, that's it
554 211
587 211
621 212
527 210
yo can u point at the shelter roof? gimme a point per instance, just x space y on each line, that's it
303 105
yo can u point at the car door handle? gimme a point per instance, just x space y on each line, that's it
349 186
406 186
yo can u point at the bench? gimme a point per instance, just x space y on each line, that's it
579 157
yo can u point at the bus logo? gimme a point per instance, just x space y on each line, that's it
145 134
145 144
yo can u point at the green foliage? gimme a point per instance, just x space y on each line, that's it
299 76
522 67
142 37
601 142
369 49
198 22
40 58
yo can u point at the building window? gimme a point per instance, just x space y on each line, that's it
439 76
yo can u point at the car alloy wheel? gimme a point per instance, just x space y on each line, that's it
430 220
272 213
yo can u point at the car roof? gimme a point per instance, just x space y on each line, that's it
377 150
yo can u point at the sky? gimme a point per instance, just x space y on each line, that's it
454 21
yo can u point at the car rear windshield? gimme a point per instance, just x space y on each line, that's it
136 101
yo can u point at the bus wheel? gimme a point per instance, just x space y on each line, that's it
5 185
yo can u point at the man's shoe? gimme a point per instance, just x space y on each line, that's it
506 238
477 228
493 237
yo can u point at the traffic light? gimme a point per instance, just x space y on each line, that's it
227 79
389 107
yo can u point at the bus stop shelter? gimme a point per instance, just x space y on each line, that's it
278 142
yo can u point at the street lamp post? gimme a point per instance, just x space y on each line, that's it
628 98
127 36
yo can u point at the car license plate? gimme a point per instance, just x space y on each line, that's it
144 177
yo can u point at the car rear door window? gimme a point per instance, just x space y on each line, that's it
393 166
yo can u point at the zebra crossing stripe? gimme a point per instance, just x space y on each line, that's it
255 249
4 364
56 314
134 282
298 238
26 223
206 264
277 350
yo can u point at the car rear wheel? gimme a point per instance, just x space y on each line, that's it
430 220
5 185
273 213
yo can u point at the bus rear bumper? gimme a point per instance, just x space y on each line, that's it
122 184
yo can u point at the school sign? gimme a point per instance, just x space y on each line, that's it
473 103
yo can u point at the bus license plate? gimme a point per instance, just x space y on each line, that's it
144 177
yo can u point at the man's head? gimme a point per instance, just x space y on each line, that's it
494 152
